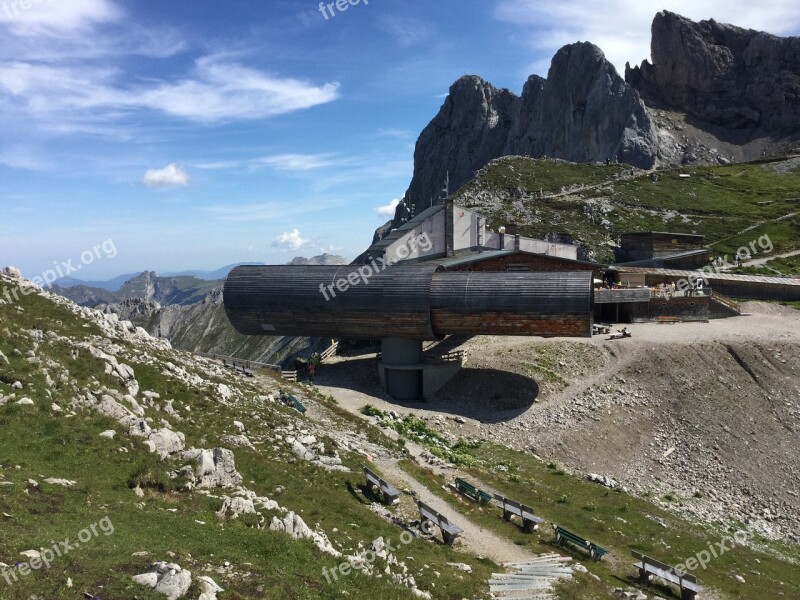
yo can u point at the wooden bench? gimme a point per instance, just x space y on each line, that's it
390 493
649 567
471 492
292 402
598 329
620 334
563 536
449 531
511 508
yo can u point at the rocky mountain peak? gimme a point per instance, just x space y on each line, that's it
714 93
726 75
583 111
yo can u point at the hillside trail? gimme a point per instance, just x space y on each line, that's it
621 354
761 261
475 539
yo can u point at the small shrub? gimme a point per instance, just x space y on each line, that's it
371 411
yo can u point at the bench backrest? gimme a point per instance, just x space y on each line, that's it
507 503
571 536
466 485
431 514
379 481
655 564
369 473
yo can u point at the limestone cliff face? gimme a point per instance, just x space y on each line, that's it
471 129
203 327
725 75
713 94
583 111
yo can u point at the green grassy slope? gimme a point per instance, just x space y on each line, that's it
40 340
167 524
731 205
611 518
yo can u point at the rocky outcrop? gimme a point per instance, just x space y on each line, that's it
167 579
725 75
714 94
583 112
213 468
202 327
472 128
322 259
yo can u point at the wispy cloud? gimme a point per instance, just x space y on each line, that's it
53 17
621 28
222 91
22 157
387 210
294 163
290 240
300 162
170 176
270 210
406 32
214 92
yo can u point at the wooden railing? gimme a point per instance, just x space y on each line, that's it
447 357
250 365
725 301
326 354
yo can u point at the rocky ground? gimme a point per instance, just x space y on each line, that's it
54 384
702 416
226 460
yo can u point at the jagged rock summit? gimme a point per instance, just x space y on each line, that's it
713 94
725 75
583 112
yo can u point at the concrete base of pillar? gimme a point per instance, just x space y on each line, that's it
405 374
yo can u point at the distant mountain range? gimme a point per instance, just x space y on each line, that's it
117 283
186 308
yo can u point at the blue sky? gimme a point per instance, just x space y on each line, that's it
200 133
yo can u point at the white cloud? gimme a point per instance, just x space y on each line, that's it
53 17
279 162
170 176
220 91
290 240
407 32
621 28
299 162
214 92
388 209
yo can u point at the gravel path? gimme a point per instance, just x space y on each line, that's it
677 408
766 259
475 539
